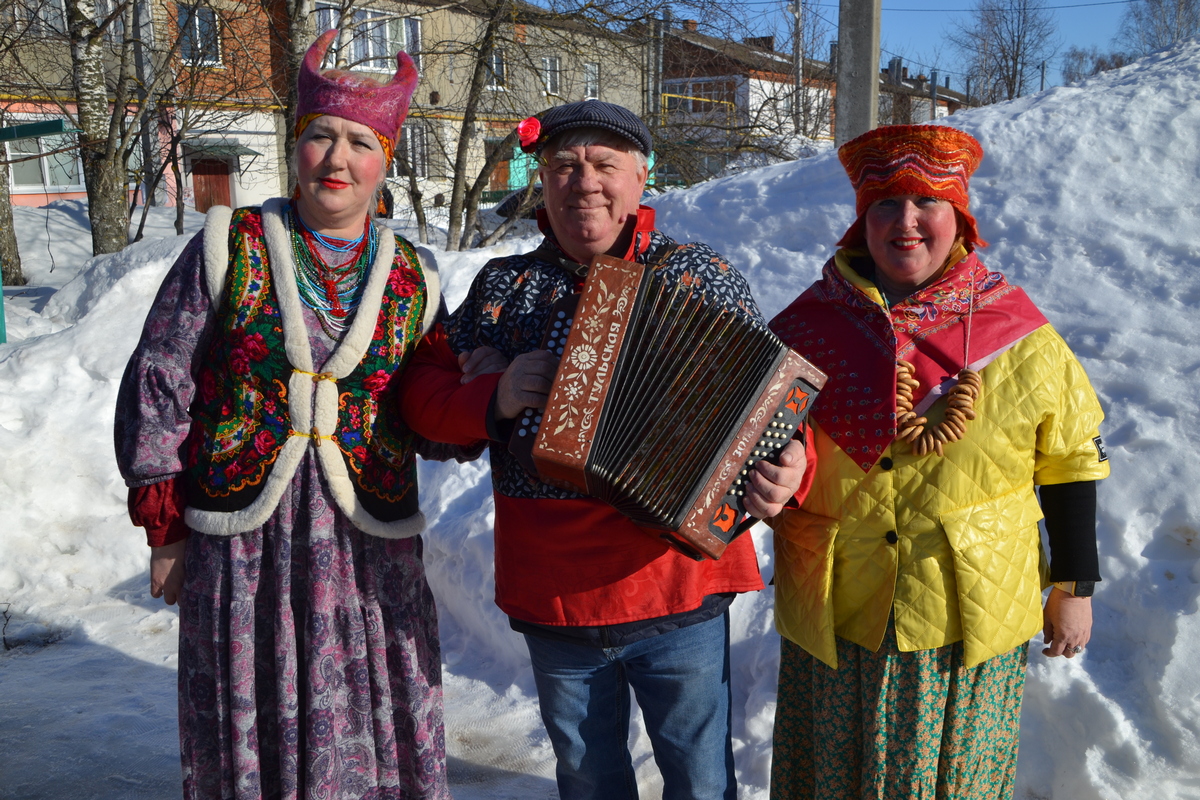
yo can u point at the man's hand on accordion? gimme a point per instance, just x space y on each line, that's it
526 383
773 485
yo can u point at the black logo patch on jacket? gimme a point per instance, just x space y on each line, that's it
1100 451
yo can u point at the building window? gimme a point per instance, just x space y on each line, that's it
701 97
709 96
41 17
53 172
370 48
412 39
199 39
412 153
371 38
495 70
591 81
551 70
115 32
327 19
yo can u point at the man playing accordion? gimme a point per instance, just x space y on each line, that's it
603 606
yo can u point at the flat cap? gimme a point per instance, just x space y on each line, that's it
535 133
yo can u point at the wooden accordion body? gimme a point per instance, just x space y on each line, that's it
662 404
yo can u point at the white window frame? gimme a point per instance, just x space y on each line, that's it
414 145
497 79
591 80
44 166
552 75
202 58
327 19
786 102
412 38
114 33
42 17
701 95
372 44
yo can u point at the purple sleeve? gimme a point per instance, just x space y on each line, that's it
152 421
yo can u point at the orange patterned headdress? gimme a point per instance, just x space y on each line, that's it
926 160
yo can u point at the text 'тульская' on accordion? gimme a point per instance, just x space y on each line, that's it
662 404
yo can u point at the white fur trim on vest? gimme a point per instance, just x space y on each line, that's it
216 252
433 287
305 412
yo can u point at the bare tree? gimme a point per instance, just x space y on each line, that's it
483 73
109 129
1149 25
1080 63
10 256
1003 45
529 200
515 60
103 69
813 102
731 100
86 64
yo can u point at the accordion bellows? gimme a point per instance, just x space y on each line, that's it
663 403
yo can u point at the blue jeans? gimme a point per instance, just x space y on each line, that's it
681 681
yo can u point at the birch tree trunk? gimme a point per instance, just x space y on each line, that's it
99 144
459 199
472 195
10 258
300 34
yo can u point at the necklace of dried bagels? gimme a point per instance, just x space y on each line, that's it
960 400
960 408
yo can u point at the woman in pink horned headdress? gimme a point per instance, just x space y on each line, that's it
256 430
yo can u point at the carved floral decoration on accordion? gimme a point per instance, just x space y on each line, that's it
577 404
584 357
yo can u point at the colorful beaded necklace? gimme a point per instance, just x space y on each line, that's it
333 293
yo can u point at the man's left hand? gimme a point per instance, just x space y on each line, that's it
481 361
772 485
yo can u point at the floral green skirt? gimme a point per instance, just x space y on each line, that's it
896 726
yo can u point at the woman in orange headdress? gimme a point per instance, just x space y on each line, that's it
908 583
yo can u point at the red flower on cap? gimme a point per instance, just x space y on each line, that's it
528 132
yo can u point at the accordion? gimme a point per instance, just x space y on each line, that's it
662 404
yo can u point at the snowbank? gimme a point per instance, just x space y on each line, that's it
1088 195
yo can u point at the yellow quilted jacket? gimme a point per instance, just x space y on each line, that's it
949 545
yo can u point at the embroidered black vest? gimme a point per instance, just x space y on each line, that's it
240 412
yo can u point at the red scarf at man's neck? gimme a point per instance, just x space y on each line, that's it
968 317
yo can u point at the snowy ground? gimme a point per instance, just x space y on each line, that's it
1088 195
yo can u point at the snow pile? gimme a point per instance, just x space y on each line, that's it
1088 196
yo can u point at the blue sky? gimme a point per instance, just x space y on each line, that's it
916 29
917 33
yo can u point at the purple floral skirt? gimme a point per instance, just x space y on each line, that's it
309 664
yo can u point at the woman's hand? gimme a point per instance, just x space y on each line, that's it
166 571
481 361
1068 623
772 485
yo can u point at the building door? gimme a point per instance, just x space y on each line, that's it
499 178
210 182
